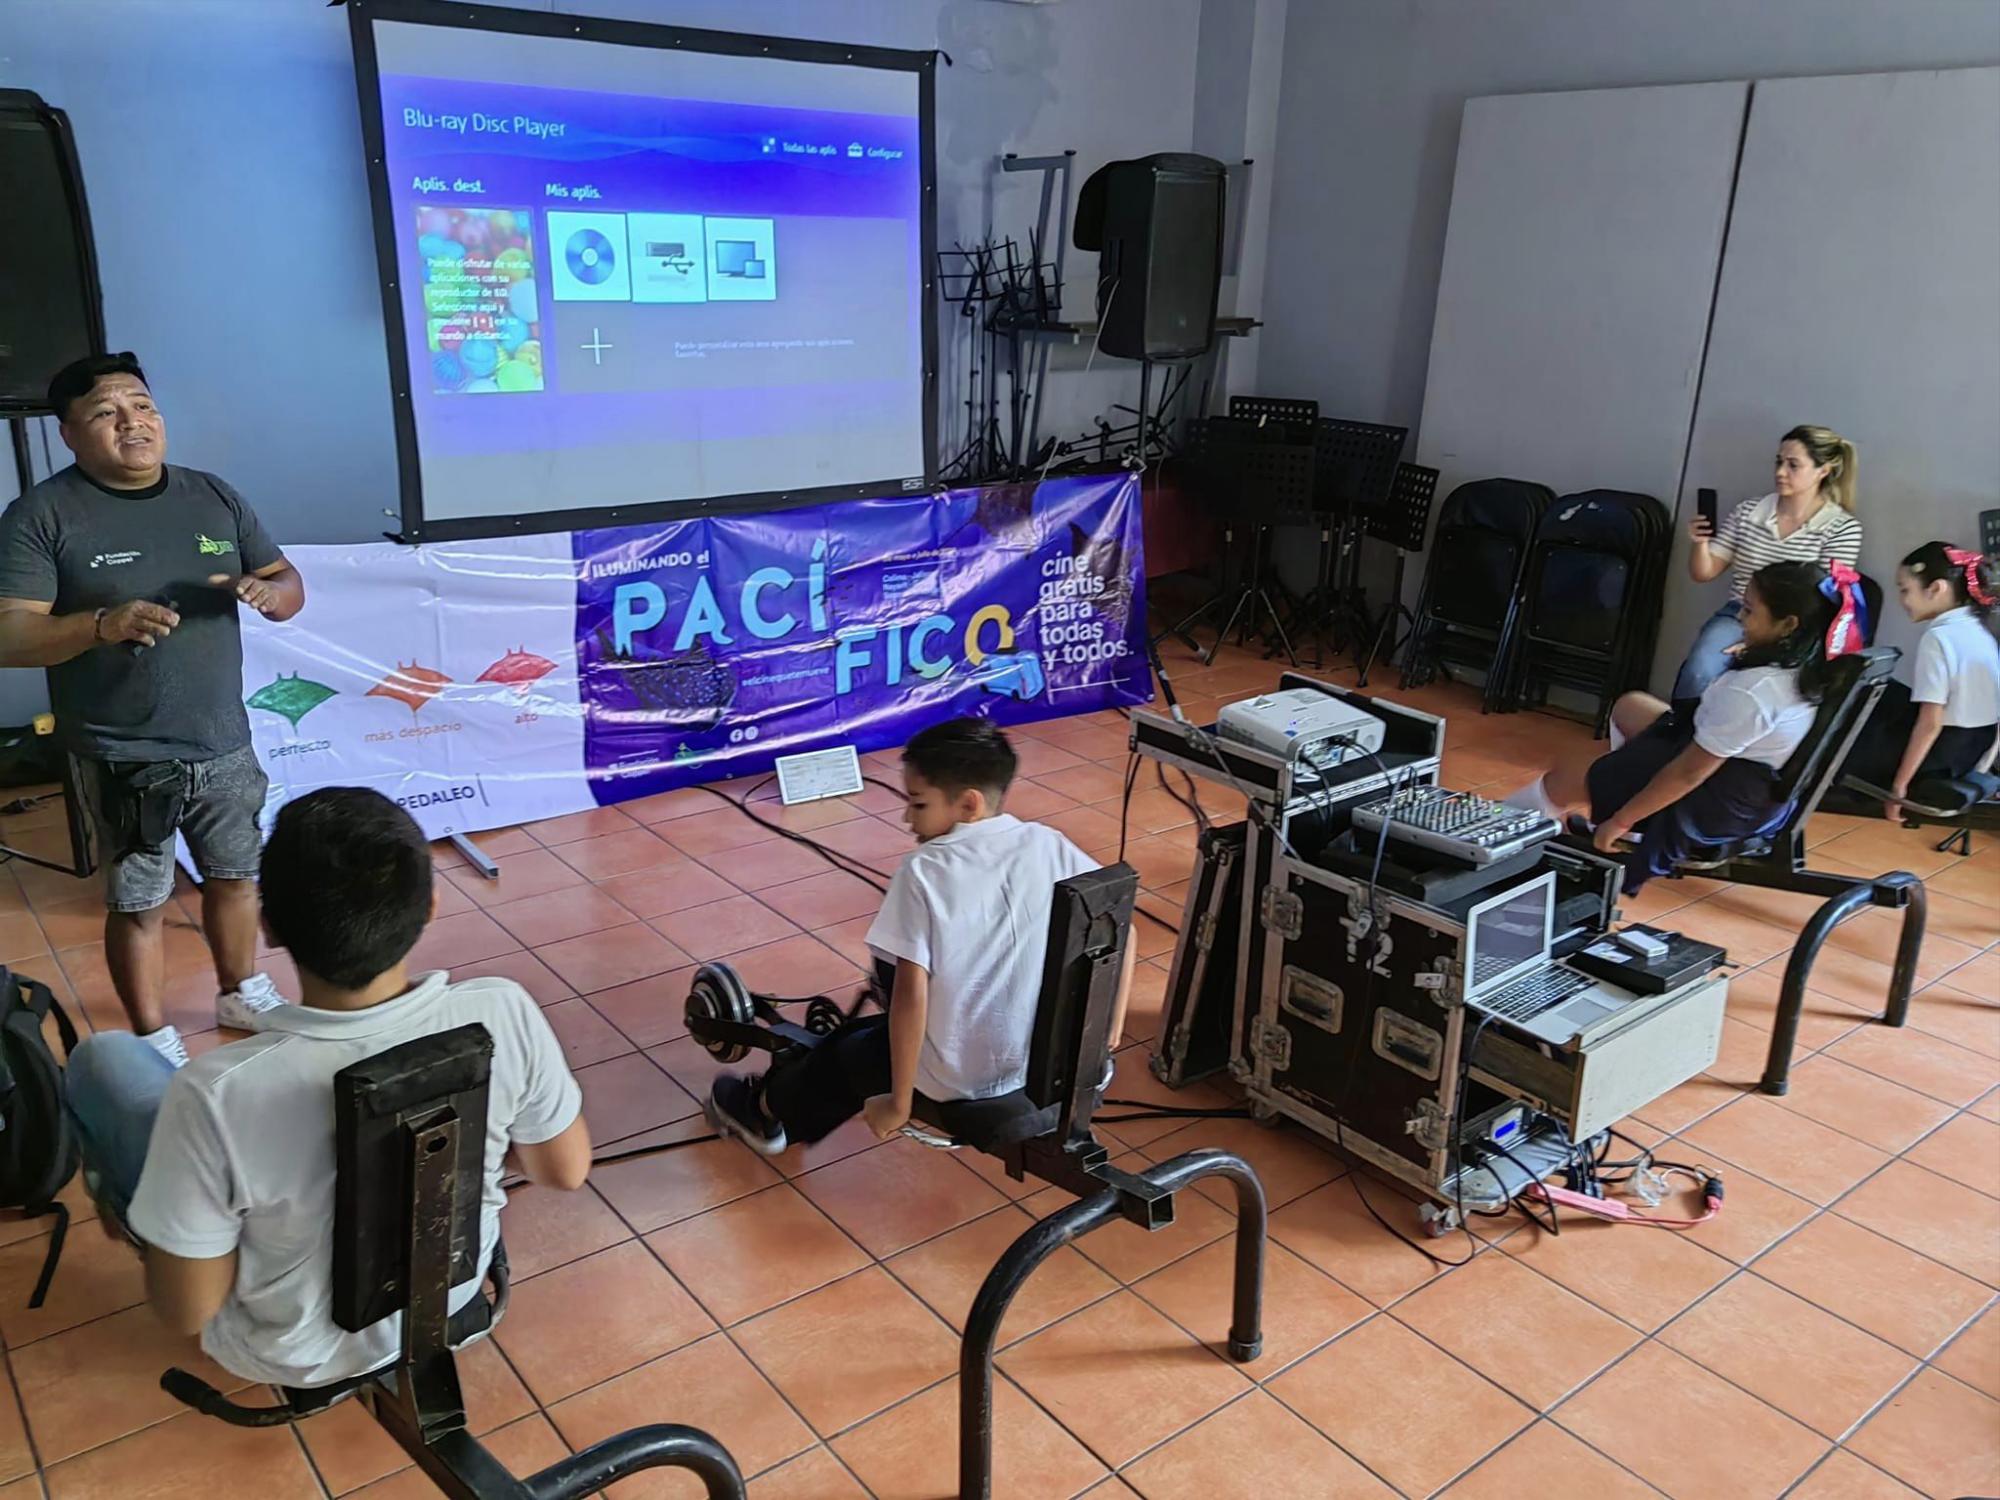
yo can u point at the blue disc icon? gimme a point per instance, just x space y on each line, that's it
590 257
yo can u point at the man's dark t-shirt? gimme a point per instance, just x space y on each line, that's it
78 546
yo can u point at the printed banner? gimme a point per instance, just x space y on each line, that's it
482 684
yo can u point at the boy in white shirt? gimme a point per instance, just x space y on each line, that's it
965 924
224 1170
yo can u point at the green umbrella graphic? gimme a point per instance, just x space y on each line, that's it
292 697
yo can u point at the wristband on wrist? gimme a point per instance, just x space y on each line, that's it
97 625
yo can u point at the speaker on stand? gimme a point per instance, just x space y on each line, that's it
51 307
1156 224
51 312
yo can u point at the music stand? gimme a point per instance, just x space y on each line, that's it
1257 467
1403 526
1355 469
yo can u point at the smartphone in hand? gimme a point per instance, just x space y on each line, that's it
1704 504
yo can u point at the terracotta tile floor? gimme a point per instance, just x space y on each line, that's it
1835 1333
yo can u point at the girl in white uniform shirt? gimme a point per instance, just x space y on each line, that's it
1946 721
1674 782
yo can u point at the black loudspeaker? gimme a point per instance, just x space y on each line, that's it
1156 224
51 310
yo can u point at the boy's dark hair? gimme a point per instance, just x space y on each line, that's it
1935 560
346 884
76 379
963 755
1792 589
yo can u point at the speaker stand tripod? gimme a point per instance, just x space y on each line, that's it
1333 612
1231 603
1395 616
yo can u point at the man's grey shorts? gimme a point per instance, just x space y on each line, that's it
223 801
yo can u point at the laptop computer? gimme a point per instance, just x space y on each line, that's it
1510 976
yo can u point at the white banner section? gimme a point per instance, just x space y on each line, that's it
444 676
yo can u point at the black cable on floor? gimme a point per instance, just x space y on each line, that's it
1125 803
1167 1109
1192 802
846 863
599 1159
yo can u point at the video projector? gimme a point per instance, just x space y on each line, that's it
1301 723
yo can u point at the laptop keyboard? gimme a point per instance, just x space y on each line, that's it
1540 991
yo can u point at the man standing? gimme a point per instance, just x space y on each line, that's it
121 575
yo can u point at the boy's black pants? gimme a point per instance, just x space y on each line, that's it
814 1094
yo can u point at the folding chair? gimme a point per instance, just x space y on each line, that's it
1589 603
1474 573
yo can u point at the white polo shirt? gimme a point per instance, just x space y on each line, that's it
1958 665
1754 713
972 907
242 1159
1750 536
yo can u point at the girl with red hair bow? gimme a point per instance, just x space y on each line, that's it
1945 723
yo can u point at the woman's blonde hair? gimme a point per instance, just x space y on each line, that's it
1835 454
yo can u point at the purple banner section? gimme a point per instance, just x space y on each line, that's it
707 648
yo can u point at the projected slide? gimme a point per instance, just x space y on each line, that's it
633 277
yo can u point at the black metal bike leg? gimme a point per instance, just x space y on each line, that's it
661 1446
1246 1325
1792 995
982 1330
1916 911
1011 1271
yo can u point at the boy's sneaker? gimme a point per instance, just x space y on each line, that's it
167 1042
734 1109
245 1007
108 1218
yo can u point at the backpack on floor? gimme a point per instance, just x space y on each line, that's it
38 1150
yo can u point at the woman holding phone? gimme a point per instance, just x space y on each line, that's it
1809 517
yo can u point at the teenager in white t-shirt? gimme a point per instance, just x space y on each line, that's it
965 923
1671 782
1945 722
224 1170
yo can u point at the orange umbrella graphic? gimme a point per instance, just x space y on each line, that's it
413 685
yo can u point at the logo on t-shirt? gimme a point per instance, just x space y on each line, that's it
115 559
208 546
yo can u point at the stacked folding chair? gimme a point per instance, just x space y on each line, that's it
1588 607
1477 558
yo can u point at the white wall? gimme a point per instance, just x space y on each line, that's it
1861 290
1239 68
1368 132
1585 231
221 152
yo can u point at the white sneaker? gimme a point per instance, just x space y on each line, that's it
167 1042
245 1007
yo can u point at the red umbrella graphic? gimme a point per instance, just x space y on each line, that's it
520 669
